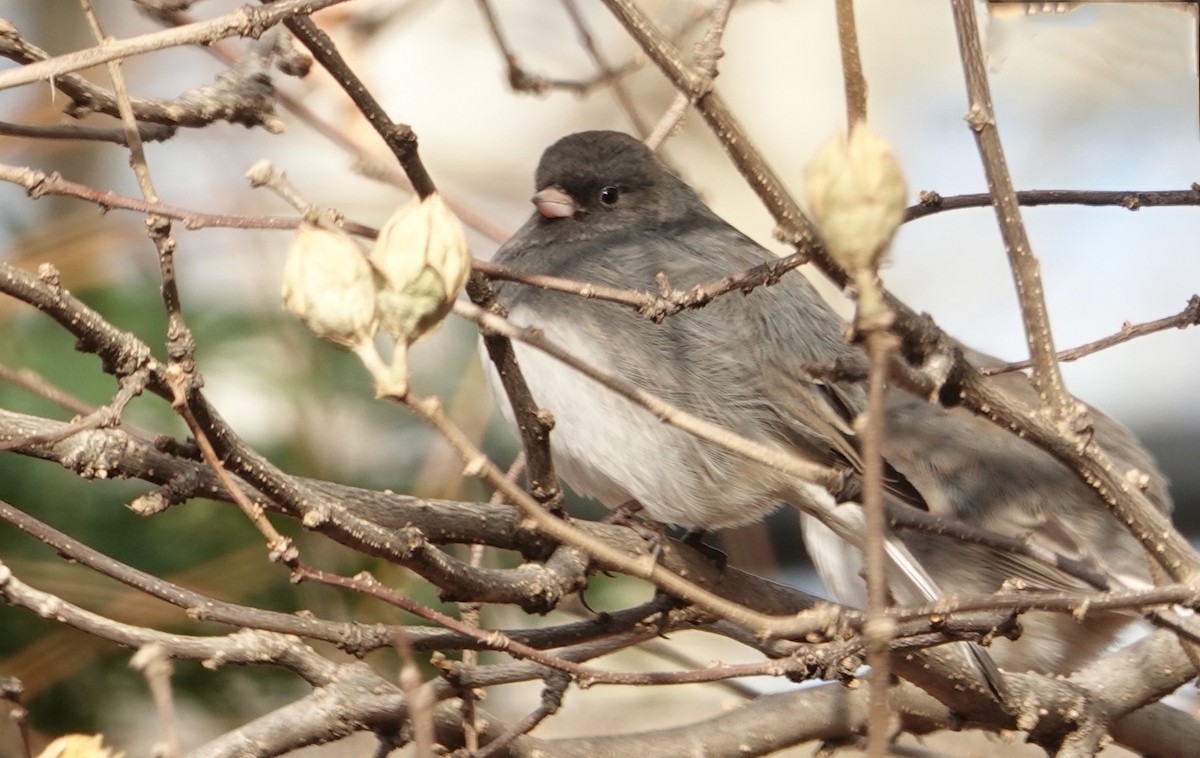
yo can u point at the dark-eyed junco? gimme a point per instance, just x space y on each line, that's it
608 212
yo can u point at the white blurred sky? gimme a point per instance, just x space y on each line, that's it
1103 98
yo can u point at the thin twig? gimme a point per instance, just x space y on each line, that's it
658 304
180 343
32 381
470 614
872 320
1077 603
420 705
706 54
399 138
878 630
931 203
39 184
853 81
1189 316
155 665
552 696
521 79
533 424
280 548
794 226
615 83
244 22
147 132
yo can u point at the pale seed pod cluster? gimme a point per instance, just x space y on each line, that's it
407 284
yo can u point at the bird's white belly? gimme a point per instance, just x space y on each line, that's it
610 449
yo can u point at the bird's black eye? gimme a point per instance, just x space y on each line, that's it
609 195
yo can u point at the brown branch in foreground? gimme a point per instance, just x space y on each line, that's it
743 587
38 184
551 700
853 81
706 54
372 523
878 630
241 95
1047 375
400 138
244 22
1189 316
654 306
930 203
147 132
533 424
481 524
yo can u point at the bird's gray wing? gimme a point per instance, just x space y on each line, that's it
970 469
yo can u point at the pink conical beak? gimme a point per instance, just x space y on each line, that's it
554 202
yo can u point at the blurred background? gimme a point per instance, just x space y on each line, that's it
1104 97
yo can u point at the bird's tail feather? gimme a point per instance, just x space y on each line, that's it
835 545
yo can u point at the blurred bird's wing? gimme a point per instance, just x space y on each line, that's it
820 415
833 535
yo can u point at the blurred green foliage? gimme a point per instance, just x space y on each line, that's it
209 547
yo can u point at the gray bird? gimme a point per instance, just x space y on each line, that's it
608 212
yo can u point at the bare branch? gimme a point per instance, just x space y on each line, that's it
1189 316
1047 376
931 203
244 22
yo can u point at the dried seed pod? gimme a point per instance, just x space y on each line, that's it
423 260
856 193
329 285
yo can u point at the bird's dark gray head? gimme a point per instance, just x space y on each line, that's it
600 179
